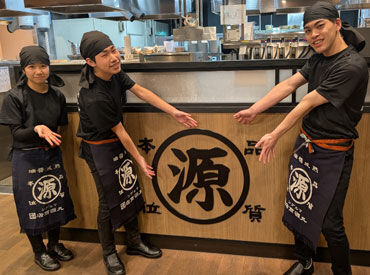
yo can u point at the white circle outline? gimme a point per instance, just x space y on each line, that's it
310 183
119 175
34 186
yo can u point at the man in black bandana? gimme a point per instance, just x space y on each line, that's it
320 166
107 147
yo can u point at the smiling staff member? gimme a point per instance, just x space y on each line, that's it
320 167
107 147
33 110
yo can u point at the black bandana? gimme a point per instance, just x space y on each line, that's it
33 54
92 43
353 37
325 10
320 10
37 54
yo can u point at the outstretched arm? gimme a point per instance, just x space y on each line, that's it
268 141
156 101
129 145
279 92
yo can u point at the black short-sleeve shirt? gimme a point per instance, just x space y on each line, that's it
24 108
342 79
100 106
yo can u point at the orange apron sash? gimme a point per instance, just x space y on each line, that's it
331 144
104 141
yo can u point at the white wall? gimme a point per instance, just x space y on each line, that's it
73 29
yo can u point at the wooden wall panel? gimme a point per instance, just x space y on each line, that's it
267 182
80 181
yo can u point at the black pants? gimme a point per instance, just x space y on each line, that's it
333 228
105 228
37 243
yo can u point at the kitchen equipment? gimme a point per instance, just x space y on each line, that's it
167 57
75 48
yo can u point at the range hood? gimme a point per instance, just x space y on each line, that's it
259 6
75 6
252 7
294 6
353 4
14 8
113 9
149 9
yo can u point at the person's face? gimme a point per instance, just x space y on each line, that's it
321 34
107 62
37 73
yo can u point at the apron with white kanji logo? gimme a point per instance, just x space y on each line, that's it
314 174
119 179
40 190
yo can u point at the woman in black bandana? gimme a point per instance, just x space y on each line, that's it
321 163
33 110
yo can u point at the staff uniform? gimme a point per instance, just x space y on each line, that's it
40 186
100 109
120 197
320 167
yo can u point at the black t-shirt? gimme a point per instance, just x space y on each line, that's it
342 79
100 106
24 108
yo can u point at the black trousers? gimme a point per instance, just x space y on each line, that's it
105 228
37 243
333 228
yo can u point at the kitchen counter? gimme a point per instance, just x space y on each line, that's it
200 65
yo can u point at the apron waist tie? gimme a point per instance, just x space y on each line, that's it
103 141
331 144
46 148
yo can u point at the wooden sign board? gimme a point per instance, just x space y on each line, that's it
209 182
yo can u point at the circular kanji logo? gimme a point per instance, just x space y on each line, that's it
201 176
300 186
46 189
126 175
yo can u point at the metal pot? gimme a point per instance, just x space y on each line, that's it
74 48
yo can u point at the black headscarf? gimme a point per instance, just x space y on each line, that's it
36 54
92 43
33 54
326 10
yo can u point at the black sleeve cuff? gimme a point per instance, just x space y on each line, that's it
23 134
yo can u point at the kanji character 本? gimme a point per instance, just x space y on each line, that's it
146 145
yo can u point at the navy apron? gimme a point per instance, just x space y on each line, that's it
120 184
40 190
313 179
